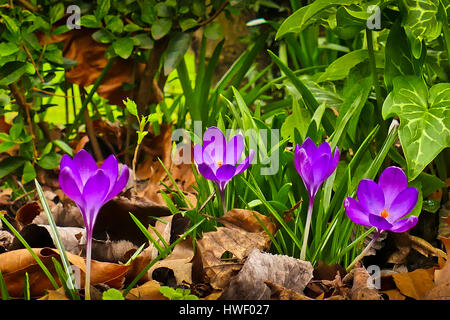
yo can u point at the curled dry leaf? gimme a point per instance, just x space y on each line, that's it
360 290
59 294
14 264
288 272
405 242
148 291
240 235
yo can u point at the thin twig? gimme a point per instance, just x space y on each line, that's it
32 61
215 14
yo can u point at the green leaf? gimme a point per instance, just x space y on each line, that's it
424 120
13 71
299 119
188 23
50 161
340 68
112 294
301 18
420 18
102 36
142 40
213 31
4 100
90 21
131 106
56 12
16 130
28 172
11 24
399 60
114 24
102 8
63 146
162 10
5 146
8 48
198 8
123 47
160 28
131 27
10 164
178 45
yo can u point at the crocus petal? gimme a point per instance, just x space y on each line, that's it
225 172
207 172
370 197
355 212
198 154
234 149
68 184
379 222
119 184
214 144
66 161
94 194
85 165
246 163
324 148
111 168
403 204
405 224
392 181
309 146
334 162
304 168
321 168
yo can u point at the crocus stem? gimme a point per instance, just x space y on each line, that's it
366 249
307 226
222 198
87 283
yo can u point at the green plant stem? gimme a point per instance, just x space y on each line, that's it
87 283
307 227
222 198
373 69
364 252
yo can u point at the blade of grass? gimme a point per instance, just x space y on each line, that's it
3 288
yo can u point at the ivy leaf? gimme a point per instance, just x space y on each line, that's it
424 120
420 17
160 28
178 45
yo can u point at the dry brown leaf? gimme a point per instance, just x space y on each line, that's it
405 242
278 292
14 264
148 291
288 272
179 261
55 295
444 220
441 291
415 284
233 239
394 294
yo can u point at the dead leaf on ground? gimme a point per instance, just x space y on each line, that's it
415 284
14 264
441 291
360 290
394 294
59 294
405 242
234 238
283 270
148 291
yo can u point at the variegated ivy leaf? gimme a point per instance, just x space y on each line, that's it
421 18
424 120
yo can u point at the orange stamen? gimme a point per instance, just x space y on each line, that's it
384 214
219 163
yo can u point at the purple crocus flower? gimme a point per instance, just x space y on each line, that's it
217 159
90 188
383 205
314 165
